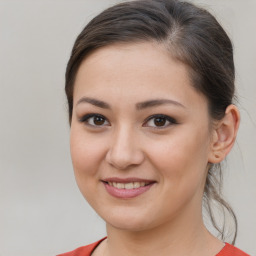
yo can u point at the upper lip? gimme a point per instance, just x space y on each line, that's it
127 180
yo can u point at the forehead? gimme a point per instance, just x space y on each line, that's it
136 71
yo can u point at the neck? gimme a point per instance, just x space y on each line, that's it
176 238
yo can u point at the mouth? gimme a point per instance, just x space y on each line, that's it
127 188
129 185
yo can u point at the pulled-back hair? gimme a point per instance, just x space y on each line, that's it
192 36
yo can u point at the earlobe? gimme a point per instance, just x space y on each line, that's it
224 135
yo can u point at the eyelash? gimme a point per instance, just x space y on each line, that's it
86 119
166 118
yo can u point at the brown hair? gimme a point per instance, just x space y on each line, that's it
193 36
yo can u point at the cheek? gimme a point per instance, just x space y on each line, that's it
181 154
86 152
181 162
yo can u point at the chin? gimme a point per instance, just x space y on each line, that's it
129 222
131 226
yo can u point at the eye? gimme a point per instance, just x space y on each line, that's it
159 121
94 120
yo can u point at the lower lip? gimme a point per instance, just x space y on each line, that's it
126 193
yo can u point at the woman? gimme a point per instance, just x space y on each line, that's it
150 87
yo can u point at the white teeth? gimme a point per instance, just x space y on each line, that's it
120 185
136 184
130 185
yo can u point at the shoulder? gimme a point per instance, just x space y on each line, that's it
230 250
84 250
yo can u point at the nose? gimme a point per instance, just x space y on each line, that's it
124 151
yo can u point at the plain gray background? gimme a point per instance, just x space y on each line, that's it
42 212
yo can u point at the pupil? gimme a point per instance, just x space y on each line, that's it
98 120
159 121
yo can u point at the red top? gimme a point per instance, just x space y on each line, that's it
228 250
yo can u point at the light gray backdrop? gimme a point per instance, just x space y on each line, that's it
42 212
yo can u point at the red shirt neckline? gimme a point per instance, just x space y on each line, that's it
230 250
227 250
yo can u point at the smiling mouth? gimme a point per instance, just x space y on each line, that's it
127 188
130 185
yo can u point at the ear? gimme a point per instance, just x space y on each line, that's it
224 135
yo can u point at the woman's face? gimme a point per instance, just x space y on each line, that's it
140 137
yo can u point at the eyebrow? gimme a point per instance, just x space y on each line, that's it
139 106
95 102
157 102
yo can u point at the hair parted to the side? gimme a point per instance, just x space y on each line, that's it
191 35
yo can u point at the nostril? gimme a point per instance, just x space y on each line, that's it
124 158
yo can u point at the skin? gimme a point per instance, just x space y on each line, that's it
127 142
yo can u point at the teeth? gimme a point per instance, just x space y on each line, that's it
130 185
120 185
136 184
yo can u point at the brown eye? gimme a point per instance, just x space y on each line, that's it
98 120
160 121
95 120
